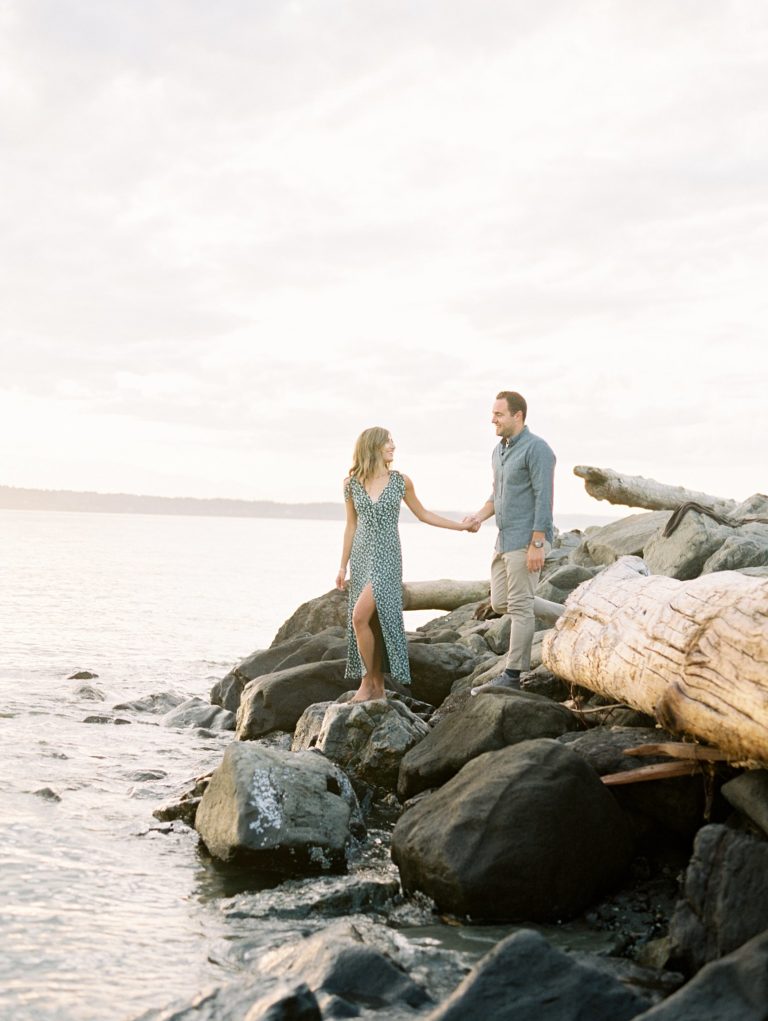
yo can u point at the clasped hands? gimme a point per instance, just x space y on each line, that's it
472 521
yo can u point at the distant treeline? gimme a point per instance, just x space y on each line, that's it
12 498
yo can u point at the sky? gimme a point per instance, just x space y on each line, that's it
234 235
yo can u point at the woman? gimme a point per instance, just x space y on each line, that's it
372 495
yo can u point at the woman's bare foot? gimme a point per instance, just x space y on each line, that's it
370 688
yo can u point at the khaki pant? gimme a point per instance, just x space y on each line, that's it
512 589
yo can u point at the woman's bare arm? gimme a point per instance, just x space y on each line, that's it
415 505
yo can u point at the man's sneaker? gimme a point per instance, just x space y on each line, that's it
502 681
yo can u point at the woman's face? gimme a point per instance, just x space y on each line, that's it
388 450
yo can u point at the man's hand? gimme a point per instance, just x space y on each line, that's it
473 521
535 559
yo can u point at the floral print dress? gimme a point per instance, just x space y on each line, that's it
376 558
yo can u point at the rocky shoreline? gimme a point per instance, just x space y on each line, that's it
504 813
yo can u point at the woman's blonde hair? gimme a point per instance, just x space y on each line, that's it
367 456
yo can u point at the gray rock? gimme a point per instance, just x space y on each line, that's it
159 702
83 675
557 586
340 961
525 979
245 1000
287 812
434 668
196 712
301 648
367 739
754 572
47 794
492 720
327 896
328 610
276 701
738 551
627 537
476 645
87 691
749 794
734 988
683 554
528 832
458 620
497 635
724 899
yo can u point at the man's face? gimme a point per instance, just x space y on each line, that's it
506 423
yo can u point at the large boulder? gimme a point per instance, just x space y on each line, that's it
276 701
724 899
735 988
627 537
557 586
293 813
296 651
328 610
683 554
525 979
367 739
527 832
491 720
434 668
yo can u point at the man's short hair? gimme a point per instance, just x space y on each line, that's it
515 401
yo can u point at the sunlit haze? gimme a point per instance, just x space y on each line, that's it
236 234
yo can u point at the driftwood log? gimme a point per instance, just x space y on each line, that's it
636 491
447 594
694 654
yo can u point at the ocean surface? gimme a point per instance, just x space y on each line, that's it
104 911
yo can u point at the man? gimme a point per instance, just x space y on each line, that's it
523 478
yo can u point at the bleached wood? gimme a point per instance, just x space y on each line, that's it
694 654
447 594
637 491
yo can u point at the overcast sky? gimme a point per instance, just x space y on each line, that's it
235 234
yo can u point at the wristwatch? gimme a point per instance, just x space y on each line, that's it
538 544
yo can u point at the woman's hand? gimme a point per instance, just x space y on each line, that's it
341 582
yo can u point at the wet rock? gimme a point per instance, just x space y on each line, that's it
627 537
525 979
487 722
47 794
159 702
98 719
276 701
87 691
288 812
528 832
328 610
683 554
185 806
735 988
328 896
724 899
244 1000
652 984
749 794
434 668
367 739
83 675
341 961
196 712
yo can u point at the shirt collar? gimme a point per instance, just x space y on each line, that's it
508 444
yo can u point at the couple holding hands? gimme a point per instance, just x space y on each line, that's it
523 475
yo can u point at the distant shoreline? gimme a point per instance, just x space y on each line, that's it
15 498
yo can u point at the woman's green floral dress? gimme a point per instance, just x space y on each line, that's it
376 558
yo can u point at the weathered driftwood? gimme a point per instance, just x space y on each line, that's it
694 654
636 491
447 594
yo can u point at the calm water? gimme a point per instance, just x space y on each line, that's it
104 912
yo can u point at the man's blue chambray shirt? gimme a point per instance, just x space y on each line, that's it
523 482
